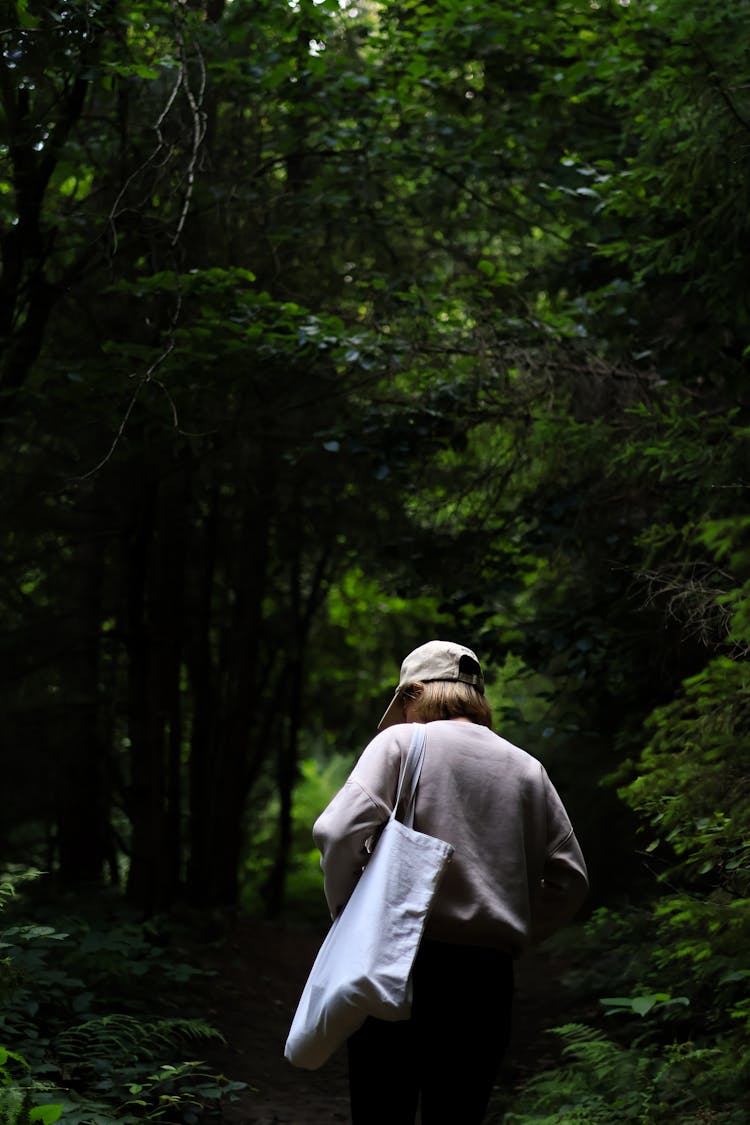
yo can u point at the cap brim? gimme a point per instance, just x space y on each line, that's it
394 713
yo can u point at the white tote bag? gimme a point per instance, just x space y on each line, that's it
364 965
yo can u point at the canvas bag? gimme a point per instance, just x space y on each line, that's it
364 965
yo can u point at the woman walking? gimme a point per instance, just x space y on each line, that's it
517 875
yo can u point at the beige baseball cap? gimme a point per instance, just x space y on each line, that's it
435 660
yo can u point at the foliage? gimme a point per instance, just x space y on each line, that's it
605 1082
318 783
693 775
671 1047
326 327
18 1093
76 1060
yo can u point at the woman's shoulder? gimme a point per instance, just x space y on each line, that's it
483 740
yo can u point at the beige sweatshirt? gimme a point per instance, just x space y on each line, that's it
517 873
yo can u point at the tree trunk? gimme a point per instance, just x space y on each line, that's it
303 606
286 777
83 802
201 671
155 611
219 793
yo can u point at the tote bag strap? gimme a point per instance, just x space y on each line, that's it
409 777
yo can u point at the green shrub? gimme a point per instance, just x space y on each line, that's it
76 1058
605 1083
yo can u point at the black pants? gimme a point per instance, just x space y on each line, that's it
448 1053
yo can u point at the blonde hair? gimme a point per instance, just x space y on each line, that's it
447 699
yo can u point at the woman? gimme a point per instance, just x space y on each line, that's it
516 876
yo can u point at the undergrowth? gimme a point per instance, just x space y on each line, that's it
670 1044
665 1051
89 1033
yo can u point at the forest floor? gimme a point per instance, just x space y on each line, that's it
260 971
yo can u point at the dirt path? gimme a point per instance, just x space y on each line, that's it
264 969
261 973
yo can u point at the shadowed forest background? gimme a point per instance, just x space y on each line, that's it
329 327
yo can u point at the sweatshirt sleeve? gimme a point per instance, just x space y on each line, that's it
564 884
344 830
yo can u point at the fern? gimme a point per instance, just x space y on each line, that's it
16 1093
103 1069
13 1106
604 1083
122 1039
601 1082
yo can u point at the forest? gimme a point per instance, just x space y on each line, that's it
328 327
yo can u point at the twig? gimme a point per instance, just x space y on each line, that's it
199 131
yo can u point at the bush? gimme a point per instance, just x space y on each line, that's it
75 1058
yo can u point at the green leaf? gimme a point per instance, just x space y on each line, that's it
25 18
643 1004
47 1114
